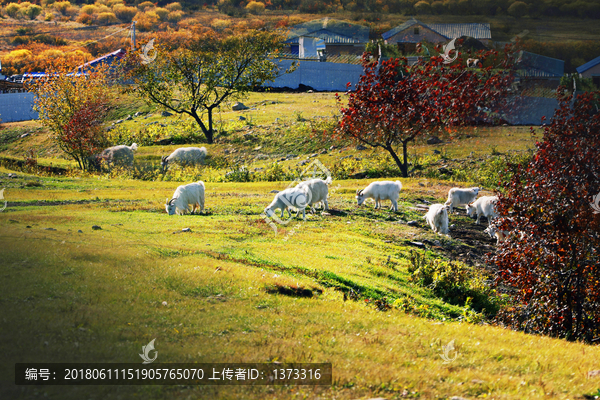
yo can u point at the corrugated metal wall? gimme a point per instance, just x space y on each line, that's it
16 107
322 76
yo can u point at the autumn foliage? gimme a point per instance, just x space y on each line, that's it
550 265
83 136
73 107
394 104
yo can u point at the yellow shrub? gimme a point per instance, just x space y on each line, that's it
18 55
88 9
124 13
175 16
12 9
49 16
112 3
162 13
51 53
255 7
173 7
62 6
146 22
47 3
146 5
219 24
101 8
105 18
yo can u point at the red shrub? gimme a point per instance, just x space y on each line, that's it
550 263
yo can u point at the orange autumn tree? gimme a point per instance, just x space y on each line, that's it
74 106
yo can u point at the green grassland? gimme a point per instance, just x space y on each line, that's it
336 288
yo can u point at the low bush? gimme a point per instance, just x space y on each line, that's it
455 283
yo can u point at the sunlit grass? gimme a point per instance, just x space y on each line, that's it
98 296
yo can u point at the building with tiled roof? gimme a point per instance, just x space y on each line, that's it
334 36
591 69
412 32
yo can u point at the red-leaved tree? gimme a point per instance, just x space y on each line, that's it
550 263
83 136
394 104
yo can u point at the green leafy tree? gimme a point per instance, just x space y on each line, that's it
208 74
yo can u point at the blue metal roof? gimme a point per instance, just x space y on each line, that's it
449 31
332 31
588 65
399 28
536 65
107 58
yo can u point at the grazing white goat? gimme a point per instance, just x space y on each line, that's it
458 197
192 193
184 156
316 192
119 155
485 205
437 218
380 190
291 197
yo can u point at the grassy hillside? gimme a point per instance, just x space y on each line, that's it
342 287
232 290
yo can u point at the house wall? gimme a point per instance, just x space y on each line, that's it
409 36
16 107
595 70
345 49
593 73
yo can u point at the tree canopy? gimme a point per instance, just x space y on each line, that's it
393 104
550 262
211 72
74 107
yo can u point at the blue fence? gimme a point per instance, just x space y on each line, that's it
16 107
324 76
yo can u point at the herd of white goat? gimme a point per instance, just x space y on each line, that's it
313 192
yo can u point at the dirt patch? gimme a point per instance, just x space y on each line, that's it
473 244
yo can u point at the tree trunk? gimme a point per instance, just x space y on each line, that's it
403 166
208 132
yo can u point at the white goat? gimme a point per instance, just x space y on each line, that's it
494 232
291 197
458 197
437 218
316 192
119 155
184 156
192 193
381 190
483 206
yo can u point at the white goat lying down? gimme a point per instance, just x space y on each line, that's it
458 197
192 193
483 206
119 155
494 232
293 197
380 190
316 191
437 218
184 156
502 236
